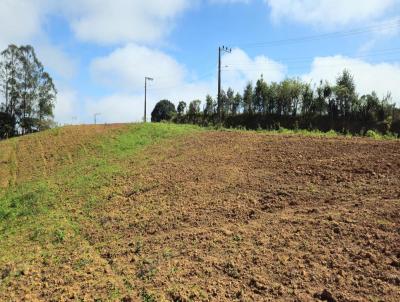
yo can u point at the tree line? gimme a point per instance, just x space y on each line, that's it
294 104
27 92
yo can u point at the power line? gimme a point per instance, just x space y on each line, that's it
393 24
306 65
391 51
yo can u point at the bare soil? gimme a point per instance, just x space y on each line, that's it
233 216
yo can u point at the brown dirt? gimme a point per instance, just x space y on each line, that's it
233 216
229 216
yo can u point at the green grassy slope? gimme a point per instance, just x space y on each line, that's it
41 219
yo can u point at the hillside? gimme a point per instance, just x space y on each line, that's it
163 212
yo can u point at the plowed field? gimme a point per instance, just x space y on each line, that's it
234 216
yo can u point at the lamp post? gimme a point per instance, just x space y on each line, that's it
145 96
95 117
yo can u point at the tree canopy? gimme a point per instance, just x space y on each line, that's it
164 110
27 92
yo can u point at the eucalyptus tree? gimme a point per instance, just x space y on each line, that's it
248 95
28 92
181 108
209 108
237 104
260 99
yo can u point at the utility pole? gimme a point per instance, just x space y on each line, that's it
227 50
145 96
95 117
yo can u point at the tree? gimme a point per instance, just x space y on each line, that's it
272 98
248 98
237 103
10 70
46 95
229 100
309 106
370 106
260 96
6 125
345 92
194 107
194 111
181 108
163 111
209 108
28 91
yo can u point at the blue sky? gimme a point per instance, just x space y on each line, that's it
99 51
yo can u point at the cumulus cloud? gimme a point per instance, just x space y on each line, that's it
20 20
67 106
56 60
239 68
228 1
381 77
121 21
126 67
329 13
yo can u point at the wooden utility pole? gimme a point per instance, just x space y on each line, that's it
145 97
220 49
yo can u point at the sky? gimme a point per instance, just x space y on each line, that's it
99 51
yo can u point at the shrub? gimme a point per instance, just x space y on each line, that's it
372 134
164 110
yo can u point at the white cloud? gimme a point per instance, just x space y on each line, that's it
22 23
20 20
126 67
241 68
116 108
67 106
56 60
228 1
381 78
329 13
118 21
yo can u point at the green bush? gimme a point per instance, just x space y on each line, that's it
372 134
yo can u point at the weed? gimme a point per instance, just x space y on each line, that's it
138 247
237 238
230 269
147 297
146 270
167 253
81 263
372 134
59 236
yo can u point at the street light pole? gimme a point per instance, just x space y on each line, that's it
145 96
95 117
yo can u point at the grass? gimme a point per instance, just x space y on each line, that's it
313 133
49 210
